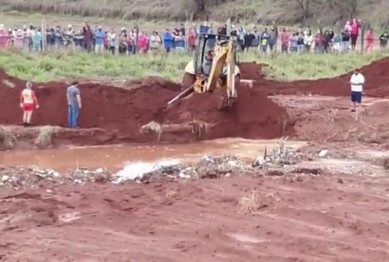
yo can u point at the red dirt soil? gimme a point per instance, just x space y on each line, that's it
125 110
376 75
334 218
120 112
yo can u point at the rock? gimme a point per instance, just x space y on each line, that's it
99 171
323 153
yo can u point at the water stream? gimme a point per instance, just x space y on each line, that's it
118 156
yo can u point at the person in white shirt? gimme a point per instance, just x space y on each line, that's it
357 81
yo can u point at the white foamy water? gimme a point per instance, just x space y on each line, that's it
136 170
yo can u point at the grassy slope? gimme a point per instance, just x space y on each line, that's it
56 66
264 11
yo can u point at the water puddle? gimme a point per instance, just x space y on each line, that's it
116 157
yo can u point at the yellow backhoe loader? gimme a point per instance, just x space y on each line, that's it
214 67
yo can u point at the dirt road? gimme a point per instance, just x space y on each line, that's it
292 218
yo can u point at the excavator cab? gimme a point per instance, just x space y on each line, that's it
213 67
205 51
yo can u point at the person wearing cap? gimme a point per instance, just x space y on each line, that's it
74 104
99 38
357 81
28 102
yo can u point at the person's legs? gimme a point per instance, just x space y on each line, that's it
70 117
75 113
356 99
27 114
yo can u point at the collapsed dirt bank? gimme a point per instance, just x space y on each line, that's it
122 111
118 114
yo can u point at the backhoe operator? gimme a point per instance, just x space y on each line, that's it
207 64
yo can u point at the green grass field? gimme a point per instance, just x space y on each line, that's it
60 65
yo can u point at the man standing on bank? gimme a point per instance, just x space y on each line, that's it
74 104
357 81
28 102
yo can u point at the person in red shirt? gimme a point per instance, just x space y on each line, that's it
285 38
28 102
369 40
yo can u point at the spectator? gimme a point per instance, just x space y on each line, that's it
143 42
192 40
264 40
272 39
78 39
155 41
168 41
369 40
318 42
58 37
99 40
3 36
308 40
257 38
384 40
293 43
345 40
123 42
36 40
112 41
204 28
327 40
248 41
347 26
355 25
88 37
300 42
285 38
131 38
182 29
337 47
19 36
179 42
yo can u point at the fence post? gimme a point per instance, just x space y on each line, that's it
275 27
136 38
228 27
186 36
43 34
363 29
321 50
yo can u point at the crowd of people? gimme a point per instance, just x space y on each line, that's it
100 40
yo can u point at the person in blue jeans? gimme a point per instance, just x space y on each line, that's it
74 104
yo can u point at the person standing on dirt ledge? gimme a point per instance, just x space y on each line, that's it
74 104
357 81
28 102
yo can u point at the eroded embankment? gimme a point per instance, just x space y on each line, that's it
111 114
116 114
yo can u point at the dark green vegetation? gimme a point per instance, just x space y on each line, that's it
284 12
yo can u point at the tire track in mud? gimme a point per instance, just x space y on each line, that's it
315 218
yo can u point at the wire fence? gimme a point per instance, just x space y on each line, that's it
182 40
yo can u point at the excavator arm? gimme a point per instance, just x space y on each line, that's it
224 58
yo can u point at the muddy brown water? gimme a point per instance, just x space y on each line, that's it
116 157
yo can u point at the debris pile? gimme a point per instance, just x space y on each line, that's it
279 161
18 177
